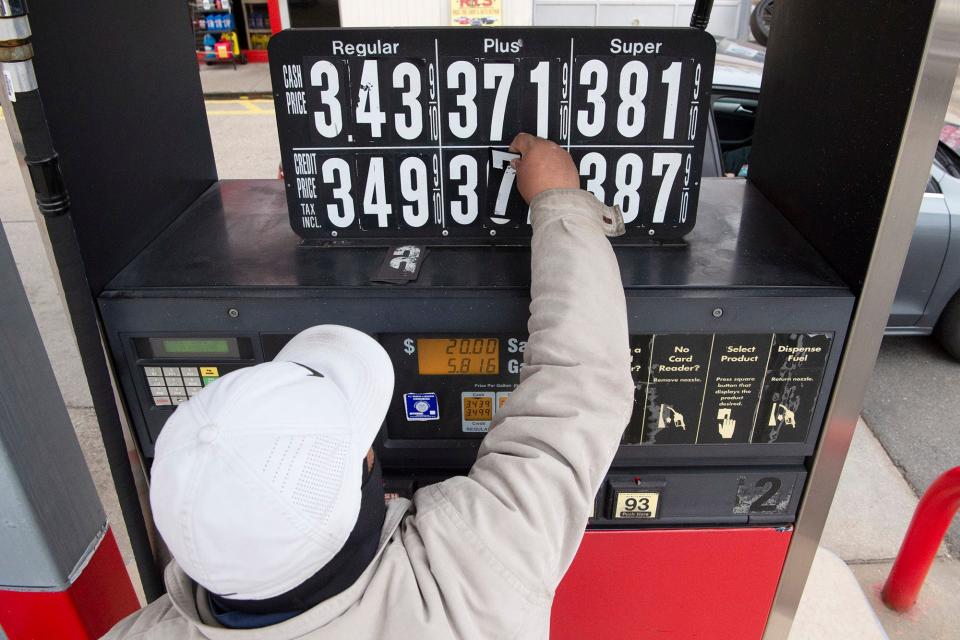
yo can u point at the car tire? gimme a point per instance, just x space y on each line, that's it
948 327
760 19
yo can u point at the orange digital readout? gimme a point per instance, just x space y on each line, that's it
458 356
478 409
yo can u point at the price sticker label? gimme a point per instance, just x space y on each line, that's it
478 408
637 504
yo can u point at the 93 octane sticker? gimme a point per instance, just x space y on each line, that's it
637 505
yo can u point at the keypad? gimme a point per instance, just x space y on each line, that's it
171 386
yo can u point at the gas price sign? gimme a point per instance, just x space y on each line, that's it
404 132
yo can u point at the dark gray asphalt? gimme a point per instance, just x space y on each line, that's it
913 407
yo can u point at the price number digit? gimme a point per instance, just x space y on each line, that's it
464 174
368 111
632 83
376 114
481 96
336 174
631 173
328 114
409 120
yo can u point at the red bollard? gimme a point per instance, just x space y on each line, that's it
930 522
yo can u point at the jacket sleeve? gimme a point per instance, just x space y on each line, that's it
530 492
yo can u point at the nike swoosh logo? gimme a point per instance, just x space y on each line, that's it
313 372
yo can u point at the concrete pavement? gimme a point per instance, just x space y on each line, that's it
913 406
222 80
872 508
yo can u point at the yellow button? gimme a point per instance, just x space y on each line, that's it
209 371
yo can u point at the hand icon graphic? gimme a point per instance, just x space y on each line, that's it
726 424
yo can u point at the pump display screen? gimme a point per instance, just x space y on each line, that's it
404 132
196 346
162 348
458 356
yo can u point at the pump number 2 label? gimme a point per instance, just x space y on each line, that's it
636 504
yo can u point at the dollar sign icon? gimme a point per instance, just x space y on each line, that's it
408 346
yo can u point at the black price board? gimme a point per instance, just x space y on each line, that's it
402 133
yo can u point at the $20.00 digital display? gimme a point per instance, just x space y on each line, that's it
403 132
458 356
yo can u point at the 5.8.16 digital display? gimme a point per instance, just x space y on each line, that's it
403 133
458 356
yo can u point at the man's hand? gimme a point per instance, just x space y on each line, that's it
543 165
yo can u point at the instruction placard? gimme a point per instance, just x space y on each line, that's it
725 388
678 374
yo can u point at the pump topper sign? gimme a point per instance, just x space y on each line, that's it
403 133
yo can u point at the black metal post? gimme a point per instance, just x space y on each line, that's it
28 128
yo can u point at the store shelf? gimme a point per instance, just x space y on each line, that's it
257 23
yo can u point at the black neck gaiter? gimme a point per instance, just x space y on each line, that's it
342 570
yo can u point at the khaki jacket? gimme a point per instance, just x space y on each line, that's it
479 556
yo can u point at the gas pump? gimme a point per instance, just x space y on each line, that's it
700 452
736 330
397 216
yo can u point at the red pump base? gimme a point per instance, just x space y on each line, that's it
99 598
671 583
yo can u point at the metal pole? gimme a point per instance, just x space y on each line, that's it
26 121
56 550
928 103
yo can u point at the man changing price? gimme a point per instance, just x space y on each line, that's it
403 133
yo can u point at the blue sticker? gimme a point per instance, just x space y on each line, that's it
421 406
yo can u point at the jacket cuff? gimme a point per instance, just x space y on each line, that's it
560 203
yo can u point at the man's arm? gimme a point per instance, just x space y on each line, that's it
528 496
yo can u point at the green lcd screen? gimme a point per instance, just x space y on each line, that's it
217 348
197 346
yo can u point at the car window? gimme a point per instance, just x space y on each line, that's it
735 115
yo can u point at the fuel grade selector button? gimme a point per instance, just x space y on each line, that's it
635 498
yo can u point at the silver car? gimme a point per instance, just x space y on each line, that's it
927 300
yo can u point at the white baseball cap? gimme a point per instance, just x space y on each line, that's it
255 483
